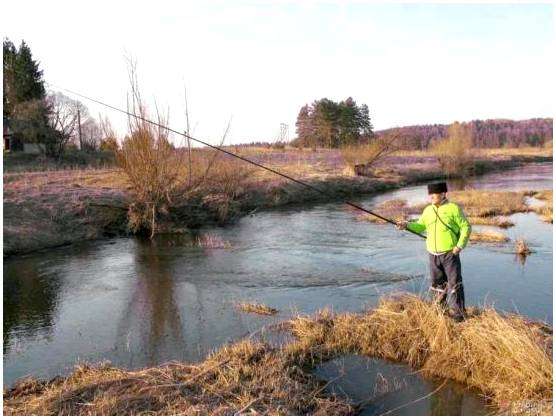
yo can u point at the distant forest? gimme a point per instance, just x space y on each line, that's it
490 133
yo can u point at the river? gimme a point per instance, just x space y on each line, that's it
138 303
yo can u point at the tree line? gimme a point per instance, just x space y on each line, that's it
51 120
490 133
330 124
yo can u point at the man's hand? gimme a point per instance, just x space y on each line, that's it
401 225
456 250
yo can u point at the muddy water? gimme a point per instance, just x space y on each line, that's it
138 303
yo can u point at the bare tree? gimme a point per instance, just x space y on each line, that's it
91 133
63 118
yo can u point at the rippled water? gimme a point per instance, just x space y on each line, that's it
139 303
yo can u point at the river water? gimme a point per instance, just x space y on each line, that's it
138 303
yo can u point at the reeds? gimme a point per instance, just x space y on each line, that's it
507 358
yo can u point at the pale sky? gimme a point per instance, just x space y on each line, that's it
260 61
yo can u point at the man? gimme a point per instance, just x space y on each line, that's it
447 234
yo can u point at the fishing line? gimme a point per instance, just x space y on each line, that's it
276 172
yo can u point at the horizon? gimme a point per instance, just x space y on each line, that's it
451 62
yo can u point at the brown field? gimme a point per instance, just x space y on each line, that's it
506 358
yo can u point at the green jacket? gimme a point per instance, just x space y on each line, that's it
439 237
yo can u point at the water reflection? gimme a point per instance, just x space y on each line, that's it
29 302
152 316
382 387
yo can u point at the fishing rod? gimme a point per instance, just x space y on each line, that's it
300 182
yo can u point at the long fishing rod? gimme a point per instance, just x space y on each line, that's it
300 182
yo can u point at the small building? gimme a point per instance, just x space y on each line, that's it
14 144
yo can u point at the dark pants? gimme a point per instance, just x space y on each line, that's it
446 278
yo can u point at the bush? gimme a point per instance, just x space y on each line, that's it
454 153
364 156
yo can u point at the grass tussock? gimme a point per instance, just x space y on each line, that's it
545 211
482 203
488 237
500 222
522 248
507 358
257 308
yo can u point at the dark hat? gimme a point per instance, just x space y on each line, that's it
437 187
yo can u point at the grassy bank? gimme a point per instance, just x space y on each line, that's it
506 358
53 208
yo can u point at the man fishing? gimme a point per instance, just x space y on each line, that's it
447 234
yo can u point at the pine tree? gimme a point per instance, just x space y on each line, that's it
24 97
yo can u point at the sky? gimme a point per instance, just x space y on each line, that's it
255 63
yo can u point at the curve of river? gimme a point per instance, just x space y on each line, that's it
139 303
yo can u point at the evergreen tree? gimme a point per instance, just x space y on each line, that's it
330 124
24 97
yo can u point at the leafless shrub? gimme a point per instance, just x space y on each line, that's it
163 176
454 153
154 168
365 156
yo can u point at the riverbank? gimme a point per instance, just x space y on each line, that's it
49 209
507 358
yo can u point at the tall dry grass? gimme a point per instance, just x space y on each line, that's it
505 357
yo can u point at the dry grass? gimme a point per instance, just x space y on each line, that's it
257 308
485 152
507 358
488 237
483 203
491 221
481 207
545 211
